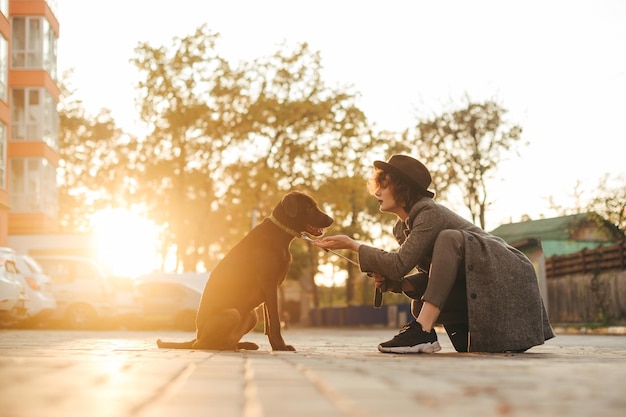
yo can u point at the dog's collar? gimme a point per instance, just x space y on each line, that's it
285 228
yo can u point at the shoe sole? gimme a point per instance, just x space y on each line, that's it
421 348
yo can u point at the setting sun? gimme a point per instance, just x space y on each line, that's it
126 242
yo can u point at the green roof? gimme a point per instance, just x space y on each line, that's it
557 228
553 247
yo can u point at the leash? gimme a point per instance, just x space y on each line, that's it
378 295
307 237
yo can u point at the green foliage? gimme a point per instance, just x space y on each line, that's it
225 142
94 163
464 147
607 198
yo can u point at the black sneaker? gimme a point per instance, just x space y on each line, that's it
412 339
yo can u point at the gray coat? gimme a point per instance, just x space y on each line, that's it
505 309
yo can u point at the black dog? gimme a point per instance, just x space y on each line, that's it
249 275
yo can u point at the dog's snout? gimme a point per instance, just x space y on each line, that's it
323 220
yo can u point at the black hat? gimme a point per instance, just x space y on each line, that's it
410 170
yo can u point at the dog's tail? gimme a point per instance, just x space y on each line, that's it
176 345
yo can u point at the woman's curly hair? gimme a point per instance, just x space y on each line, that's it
403 192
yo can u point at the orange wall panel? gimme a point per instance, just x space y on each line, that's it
34 78
4 199
31 223
4 227
4 217
31 150
4 114
5 28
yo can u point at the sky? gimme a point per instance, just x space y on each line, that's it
557 66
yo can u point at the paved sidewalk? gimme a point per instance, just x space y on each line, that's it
335 372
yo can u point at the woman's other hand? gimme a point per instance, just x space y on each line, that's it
379 280
387 285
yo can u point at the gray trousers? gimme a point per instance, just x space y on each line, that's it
445 287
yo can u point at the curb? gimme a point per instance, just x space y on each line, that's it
612 330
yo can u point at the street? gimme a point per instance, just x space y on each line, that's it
334 372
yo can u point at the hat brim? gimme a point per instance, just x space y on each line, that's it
390 168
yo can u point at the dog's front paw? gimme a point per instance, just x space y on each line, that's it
286 348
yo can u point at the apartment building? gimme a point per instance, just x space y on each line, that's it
29 123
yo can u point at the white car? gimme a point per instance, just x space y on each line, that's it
84 297
127 299
12 294
41 303
170 299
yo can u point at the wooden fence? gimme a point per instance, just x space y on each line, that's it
587 261
588 298
588 286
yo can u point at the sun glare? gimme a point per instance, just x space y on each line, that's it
126 242
331 276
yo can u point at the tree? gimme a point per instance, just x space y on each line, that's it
94 156
187 135
226 142
299 132
463 147
607 199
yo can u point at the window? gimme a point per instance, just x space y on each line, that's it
59 272
33 45
86 271
34 116
33 186
4 67
50 51
3 155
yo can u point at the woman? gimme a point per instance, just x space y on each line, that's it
482 290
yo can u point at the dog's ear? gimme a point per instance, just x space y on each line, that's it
290 205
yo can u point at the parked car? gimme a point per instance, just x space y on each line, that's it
127 304
170 300
86 296
40 303
12 294
85 299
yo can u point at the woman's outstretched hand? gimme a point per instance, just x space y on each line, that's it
337 242
346 242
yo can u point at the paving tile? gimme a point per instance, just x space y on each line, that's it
334 372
